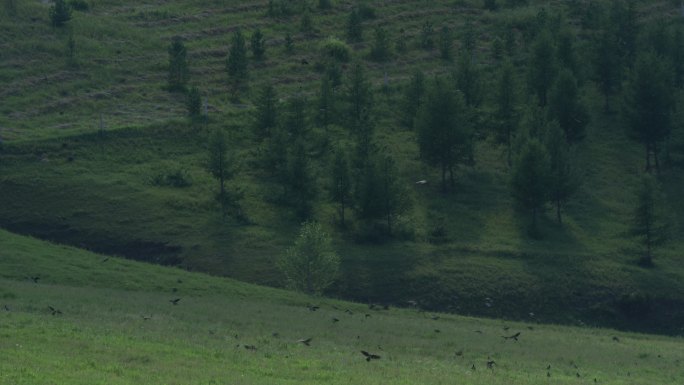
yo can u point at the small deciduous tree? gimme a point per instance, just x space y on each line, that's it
179 74
311 264
258 45
60 13
649 226
530 178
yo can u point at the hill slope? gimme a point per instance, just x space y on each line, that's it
116 326
66 182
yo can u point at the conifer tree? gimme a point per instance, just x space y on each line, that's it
60 13
221 168
607 65
359 96
506 110
194 103
413 98
542 67
563 180
530 178
340 184
257 44
380 51
566 107
266 111
178 65
327 108
649 226
237 63
445 43
354 26
300 181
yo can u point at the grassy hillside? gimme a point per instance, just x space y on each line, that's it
65 182
117 326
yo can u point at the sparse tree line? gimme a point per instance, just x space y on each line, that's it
534 107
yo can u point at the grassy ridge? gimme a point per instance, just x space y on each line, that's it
67 184
102 337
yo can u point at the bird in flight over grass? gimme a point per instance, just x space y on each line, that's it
370 356
513 337
54 311
306 342
174 301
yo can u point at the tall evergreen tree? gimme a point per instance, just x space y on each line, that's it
566 53
60 13
266 116
650 104
542 67
341 184
380 50
530 178
468 81
194 103
393 195
178 65
327 106
301 182
296 122
607 65
506 110
221 168
355 26
237 63
442 129
359 95
566 107
649 225
446 40
413 98
258 45
563 180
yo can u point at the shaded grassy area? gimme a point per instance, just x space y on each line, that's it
65 183
102 335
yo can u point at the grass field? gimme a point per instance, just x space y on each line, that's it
64 182
102 335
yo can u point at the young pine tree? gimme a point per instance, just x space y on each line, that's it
327 110
542 67
530 179
359 96
649 226
236 64
566 107
220 166
266 116
354 27
258 45
301 182
446 40
179 73
506 108
340 184
563 180
60 13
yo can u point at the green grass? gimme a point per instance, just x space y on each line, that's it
101 336
62 182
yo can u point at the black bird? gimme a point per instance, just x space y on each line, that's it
105 259
490 364
174 289
367 315
174 301
505 328
371 306
548 374
548 367
305 62
305 341
437 331
349 312
459 353
335 320
530 327
473 367
54 311
7 308
385 307
250 347
275 334
146 317
514 336
370 356
478 331
578 375
34 279
434 317
616 339
313 307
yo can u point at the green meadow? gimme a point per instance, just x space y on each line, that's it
117 326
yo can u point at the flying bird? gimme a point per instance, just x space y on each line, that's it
616 339
54 311
478 331
174 301
434 317
105 259
34 279
334 320
7 308
459 353
313 307
370 356
513 337
490 364
473 367
349 312
306 342
250 347
146 317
